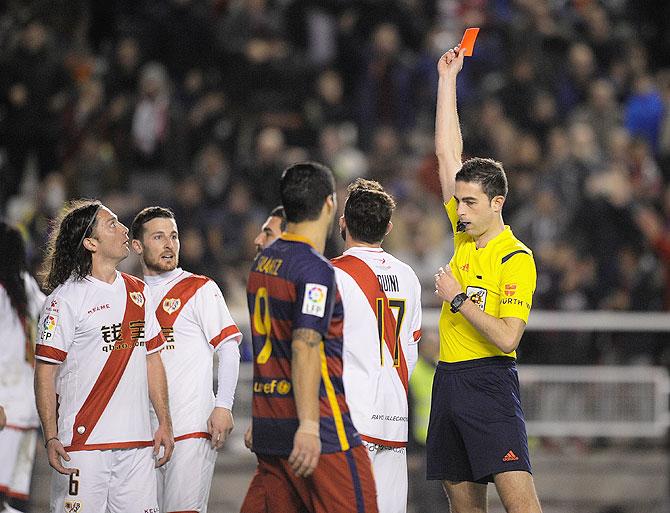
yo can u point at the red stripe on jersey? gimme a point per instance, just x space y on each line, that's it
367 280
176 298
416 335
334 364
336 327
50 352
112 372
17 495
274 368
274 407
324 405
111 445
281 329
278 288
380 441
155 342
197 434
225 333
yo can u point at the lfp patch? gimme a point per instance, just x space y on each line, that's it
47 327
314 302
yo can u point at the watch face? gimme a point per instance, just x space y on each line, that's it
458 301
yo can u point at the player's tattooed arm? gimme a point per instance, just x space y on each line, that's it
306 376
307 336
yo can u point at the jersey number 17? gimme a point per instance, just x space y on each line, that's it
383 306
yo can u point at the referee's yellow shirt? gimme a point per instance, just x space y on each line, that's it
499 279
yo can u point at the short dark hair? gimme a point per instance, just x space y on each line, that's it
487 172
304 188
144 216
368 210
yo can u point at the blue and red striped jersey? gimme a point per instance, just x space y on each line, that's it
292 286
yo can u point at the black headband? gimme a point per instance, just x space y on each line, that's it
88 226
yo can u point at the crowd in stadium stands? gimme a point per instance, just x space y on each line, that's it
200 104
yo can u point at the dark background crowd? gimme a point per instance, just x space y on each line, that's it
199 104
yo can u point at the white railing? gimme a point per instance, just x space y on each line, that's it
587 400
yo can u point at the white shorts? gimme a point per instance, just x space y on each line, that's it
17 447
389 466
185 480
110 481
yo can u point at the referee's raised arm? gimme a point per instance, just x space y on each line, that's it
448 140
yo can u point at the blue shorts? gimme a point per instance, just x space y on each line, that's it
476 428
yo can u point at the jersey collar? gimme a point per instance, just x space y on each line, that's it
362 249
163 277
294 237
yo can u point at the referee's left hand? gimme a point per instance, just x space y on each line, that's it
446 286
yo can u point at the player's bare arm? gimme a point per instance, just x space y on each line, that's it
504 333
45 397
448 139
306 370
159 399
219 425
3 418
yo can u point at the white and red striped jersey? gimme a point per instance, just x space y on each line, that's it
100 334
382 325
17 356
196 322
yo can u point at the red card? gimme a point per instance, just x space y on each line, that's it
468 41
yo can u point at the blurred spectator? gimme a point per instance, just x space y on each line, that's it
201 104
384 96
34 87
644 111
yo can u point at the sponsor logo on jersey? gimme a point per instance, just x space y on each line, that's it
48 326
478 296
137 298
281 387
73 506
98 308
314 302
465 267
510 289
171 305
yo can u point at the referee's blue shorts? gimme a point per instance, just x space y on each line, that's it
477 428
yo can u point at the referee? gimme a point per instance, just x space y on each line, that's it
477 432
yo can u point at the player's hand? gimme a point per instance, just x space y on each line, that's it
450 63
56 451
305 454
219 425
163 437
3 418
248 438
446 286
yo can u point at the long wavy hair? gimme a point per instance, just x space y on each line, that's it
12 266
66 254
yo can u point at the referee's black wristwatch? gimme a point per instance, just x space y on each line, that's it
458 301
